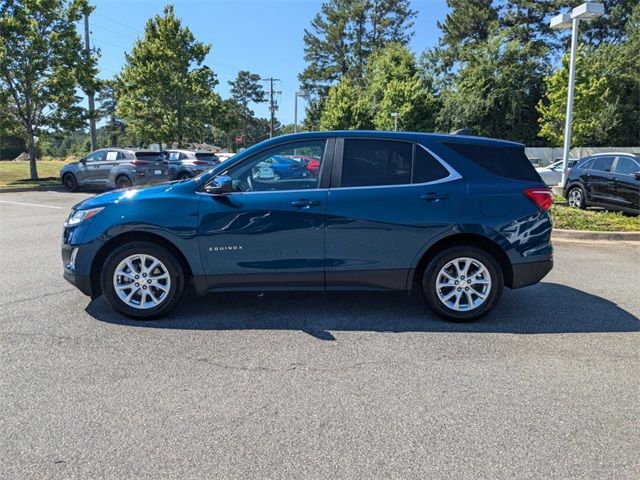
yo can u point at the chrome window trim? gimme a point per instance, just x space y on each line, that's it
452 177
453 174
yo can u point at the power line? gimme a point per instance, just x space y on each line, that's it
113 31
114 20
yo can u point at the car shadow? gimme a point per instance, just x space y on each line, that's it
543 308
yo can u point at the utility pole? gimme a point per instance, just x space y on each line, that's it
92 105
272 104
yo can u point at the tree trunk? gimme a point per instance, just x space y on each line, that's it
32 156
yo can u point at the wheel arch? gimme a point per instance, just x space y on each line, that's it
127 237
473 239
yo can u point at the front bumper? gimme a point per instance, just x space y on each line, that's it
525 274
71 272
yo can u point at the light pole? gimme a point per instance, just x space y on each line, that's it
299 93
586 11
395 120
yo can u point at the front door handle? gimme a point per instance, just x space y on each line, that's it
434 197
305 203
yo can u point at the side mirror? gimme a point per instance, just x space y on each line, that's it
637 175
83 160
220 185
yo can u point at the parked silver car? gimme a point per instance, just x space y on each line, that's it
552 174
185 164
109 168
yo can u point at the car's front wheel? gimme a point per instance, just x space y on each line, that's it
142 280
462 283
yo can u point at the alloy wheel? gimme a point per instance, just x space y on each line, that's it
463 284
575 198
141 281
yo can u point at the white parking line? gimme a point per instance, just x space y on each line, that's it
29 204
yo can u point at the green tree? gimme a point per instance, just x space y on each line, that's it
345 108
495 91
342 36
246 89
42 63
108 105
166 93
229 123
610 28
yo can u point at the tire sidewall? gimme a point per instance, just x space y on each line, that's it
74 187
171 263
582 196
126 179
429 280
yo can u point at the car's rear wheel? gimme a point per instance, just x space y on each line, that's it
462 283
70 182
184 176
123 182
575 197
142 280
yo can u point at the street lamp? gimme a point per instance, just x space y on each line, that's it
299 93
586 11
395 120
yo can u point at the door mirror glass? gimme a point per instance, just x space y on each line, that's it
220 185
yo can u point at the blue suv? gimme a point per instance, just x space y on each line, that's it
459 216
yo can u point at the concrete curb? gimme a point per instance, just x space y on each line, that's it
55 188
591 235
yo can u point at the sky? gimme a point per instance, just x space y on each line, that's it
262 36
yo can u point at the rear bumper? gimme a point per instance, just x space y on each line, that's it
525 274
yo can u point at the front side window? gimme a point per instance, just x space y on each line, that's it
294 166
627 166
98 156
602 164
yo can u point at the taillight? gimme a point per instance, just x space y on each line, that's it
140 162
540 196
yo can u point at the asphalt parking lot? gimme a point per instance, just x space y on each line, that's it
311 385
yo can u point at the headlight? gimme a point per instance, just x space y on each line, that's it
81 215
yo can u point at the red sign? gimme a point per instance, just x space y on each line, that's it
239 139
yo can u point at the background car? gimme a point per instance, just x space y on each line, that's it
608 180
185 164
552 174
110 168
312 163
287 166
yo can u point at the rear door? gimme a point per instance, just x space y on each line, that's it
601 185
627 184
388 199
106 165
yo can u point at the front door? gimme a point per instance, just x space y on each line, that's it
388 199
89 168
269 232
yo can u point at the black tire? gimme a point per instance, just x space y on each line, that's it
439 261
173 267
576 197
123 182
70 182
184 176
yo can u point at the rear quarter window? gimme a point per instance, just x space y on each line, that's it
509 162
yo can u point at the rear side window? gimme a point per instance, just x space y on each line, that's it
387 162
510 162
602 164
149 156
585 164
426 168
376 162
208 157
627 166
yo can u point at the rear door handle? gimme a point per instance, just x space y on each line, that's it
434 197
305 203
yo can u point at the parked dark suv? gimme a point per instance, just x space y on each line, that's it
609 180
110 168
458 216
